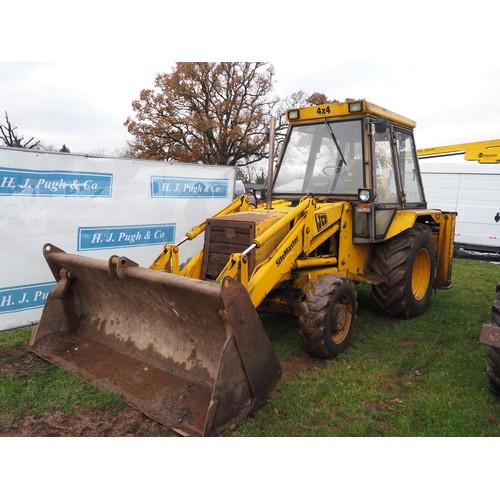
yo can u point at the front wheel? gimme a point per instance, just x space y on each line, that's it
327 316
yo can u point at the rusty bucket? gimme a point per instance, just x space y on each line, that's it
190 354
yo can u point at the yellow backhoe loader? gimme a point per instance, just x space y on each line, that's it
185 345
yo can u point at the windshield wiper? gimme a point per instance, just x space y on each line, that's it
342 159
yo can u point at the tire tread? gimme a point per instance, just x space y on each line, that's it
493 353
391 259
314 314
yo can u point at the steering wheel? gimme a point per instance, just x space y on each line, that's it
330 167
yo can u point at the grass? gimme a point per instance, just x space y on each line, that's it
419 377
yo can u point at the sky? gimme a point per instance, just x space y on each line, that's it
73 79
84 105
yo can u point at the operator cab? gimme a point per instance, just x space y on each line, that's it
353 151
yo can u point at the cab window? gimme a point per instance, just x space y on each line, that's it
410 177
386 186
322 158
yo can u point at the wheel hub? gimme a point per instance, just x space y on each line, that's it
421 274
341 317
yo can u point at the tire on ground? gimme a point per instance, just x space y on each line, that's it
327 316
493 353
408 262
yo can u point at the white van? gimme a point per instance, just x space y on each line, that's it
239 189
473 190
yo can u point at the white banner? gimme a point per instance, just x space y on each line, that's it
98 207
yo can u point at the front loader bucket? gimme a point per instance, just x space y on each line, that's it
190 354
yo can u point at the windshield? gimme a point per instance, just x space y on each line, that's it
323 158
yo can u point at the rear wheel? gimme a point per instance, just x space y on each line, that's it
493 353
408 262
327 316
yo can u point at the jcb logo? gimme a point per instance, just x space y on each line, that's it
321 221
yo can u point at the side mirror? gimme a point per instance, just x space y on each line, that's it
380 125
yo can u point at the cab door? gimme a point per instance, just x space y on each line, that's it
387 183
398 183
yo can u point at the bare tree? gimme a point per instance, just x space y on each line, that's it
12 140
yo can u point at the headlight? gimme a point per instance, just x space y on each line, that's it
293 114
364 195
356 107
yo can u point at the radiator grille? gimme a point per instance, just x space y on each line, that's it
222 238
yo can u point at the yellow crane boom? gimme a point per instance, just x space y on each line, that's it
480 151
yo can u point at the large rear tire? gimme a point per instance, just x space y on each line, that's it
327 316
408 262
493 353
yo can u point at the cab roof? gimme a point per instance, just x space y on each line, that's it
346 109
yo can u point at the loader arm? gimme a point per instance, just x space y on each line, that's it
309 225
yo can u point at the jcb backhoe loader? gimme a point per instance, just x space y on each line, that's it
186 346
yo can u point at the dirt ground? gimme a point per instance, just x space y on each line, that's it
96 422
294 365
85 422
